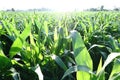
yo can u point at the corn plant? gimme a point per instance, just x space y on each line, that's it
59 46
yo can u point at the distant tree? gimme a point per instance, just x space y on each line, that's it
40 9
12 9
102 8
92 9
116 9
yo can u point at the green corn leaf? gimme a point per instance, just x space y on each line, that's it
6 27
66 31
95 45
38 24
90 26
5 63
81 55
60 42
113 44
99 66
77 68
109 59
32 40
84 26
116 70
12 27
1 51
0 26
16 47
55 34
18 43
116 76
100 77
59 62
46 27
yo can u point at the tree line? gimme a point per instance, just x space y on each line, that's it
103 9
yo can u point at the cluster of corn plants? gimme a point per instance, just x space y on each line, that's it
59 46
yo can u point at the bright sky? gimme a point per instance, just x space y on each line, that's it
59 5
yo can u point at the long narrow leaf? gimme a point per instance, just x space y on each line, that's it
75 69
18 43
59 62
110 58
81 55
115 76
116 69
99 66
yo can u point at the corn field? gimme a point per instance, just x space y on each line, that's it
59 46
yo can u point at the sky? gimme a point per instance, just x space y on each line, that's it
58 5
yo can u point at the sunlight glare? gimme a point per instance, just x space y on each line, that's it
58 5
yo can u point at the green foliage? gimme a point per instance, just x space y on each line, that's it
81 55
18 43
54 46
77 68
